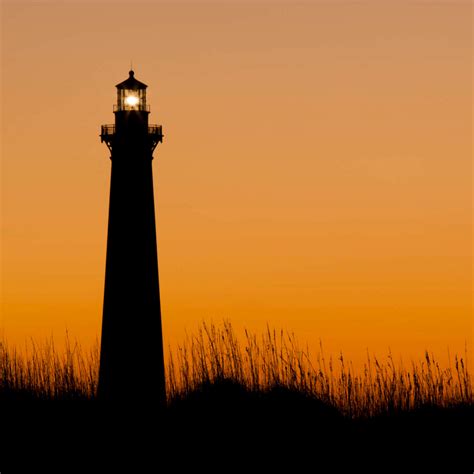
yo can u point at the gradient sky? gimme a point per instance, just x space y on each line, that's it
315 174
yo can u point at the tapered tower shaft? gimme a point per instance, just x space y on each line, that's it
131 357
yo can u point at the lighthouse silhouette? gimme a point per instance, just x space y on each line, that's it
131 355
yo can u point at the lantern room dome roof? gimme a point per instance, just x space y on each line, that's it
131 83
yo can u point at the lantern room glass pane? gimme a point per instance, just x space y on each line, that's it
131 99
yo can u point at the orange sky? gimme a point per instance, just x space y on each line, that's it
315 174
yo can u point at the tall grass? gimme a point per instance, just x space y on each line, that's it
275 359
41 372
258 364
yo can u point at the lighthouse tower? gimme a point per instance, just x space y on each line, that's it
131 356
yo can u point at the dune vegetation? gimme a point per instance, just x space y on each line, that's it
238 397
257 364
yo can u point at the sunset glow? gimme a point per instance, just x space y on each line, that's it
315 174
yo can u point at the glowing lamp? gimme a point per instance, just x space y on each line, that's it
132 100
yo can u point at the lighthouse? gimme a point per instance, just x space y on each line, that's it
131 355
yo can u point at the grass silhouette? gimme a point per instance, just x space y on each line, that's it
273 361
267 386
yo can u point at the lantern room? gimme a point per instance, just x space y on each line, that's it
131 95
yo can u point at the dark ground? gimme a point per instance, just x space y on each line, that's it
226 429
